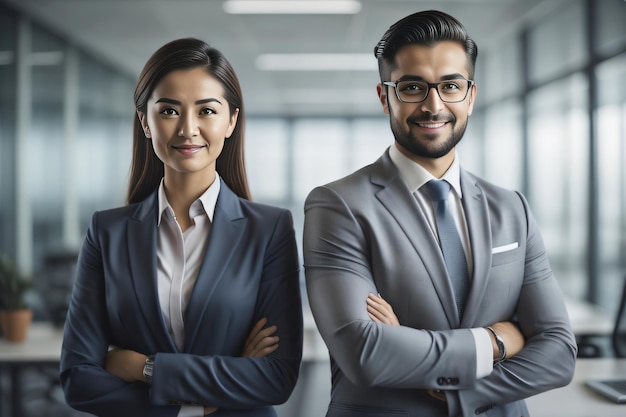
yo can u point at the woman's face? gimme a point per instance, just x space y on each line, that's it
187 118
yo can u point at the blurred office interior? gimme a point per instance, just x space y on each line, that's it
550 118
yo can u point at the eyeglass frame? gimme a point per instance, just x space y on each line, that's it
394 84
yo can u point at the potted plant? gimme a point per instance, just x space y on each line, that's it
15 314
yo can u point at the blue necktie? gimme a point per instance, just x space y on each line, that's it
450 242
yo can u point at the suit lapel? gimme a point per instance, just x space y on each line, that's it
142 236
477 217
401 204
226 232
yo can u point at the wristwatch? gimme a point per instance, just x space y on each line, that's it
147 369
500 344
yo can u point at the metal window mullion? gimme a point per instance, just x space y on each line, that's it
23 212
71 218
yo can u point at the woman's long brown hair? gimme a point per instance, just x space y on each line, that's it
146 168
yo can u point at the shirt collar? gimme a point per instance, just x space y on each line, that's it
206 202
414 175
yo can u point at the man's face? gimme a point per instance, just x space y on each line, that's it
430 129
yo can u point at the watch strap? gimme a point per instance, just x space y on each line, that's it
148 368
499 343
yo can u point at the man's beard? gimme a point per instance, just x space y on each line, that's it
426 148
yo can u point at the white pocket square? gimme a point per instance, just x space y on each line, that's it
505 248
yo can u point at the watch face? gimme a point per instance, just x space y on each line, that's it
147 369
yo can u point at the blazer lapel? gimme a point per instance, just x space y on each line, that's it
226 232
401 204
142 236
477 217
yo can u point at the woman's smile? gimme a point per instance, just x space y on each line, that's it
188 149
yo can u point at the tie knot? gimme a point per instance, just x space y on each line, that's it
437 190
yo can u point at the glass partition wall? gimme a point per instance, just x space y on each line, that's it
550 121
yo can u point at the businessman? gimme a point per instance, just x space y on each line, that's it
415 240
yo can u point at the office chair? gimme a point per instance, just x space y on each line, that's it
41 390
619 332
58 270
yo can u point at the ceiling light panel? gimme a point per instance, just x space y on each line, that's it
292 7
316 62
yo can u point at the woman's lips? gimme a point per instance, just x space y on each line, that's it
189 149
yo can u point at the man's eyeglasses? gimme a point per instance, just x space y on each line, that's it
450 91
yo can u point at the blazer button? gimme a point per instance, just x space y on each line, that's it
481 410
447 381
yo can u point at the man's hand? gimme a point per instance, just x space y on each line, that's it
380 310
512 337
125 364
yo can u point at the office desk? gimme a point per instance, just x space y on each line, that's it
592 326
42 347
589 320
576 400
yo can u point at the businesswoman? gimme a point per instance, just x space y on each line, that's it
186 300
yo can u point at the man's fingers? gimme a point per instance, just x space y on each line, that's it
380 300
376 319
375 304
377 316
381 309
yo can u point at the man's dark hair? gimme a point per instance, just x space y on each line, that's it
423 28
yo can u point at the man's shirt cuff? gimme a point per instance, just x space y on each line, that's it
484 352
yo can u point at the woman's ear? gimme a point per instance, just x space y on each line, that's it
144 124
141 117
232 124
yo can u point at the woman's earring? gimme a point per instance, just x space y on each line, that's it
147 132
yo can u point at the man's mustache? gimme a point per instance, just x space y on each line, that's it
431 119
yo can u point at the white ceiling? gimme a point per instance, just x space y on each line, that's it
126 32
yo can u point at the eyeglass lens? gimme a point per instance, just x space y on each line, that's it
449 91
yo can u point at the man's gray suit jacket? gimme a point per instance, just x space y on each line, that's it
366 234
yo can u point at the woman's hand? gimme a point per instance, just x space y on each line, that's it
128 364
259 344
125 364
260 341
380 310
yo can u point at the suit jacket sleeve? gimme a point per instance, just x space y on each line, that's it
87 385
548 358
339 277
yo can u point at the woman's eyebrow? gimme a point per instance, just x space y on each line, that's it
176 102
